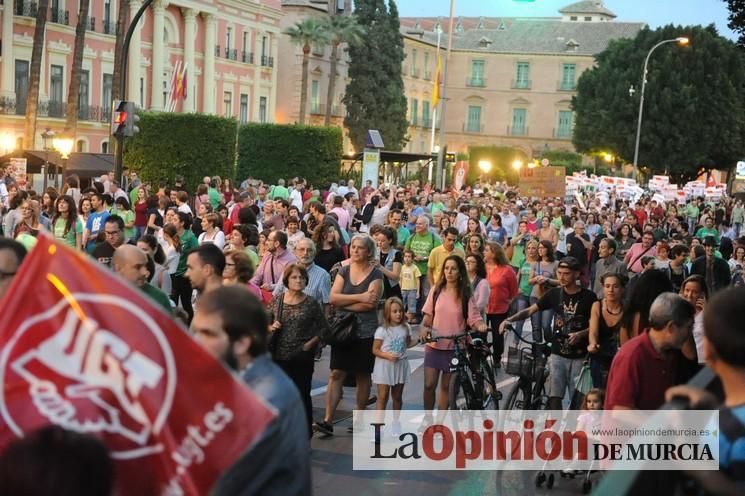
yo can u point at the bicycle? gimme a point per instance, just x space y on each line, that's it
473 383
529 392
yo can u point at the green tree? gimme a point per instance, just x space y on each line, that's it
375 93
73 94
340 29
737 18
693 110
306 33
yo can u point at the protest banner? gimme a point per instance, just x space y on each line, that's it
82 349
460 170
543 181
17 170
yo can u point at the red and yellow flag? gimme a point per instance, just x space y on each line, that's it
437 82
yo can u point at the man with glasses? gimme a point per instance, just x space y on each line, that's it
114 232
633 258
12 254
274 261
319 281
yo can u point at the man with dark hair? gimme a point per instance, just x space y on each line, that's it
182 289
274 261
114 238
12 254
712 268
647 365
607 263
204 267
95 222
232 326
439 253
678 270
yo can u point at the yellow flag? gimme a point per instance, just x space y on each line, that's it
437 81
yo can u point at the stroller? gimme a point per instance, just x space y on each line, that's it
581 386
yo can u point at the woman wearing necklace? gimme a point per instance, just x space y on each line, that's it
605 322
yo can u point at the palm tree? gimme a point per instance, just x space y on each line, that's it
32 105
306 33
340 29
71 123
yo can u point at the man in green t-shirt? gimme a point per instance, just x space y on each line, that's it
708 230
181 286
280 191
130 263
214 196
422 242
692 212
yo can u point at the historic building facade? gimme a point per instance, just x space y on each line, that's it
229 49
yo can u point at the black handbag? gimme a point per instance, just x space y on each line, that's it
342 329
273 338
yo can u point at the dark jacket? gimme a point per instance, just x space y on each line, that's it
279 462
721 277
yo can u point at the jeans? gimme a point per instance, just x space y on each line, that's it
300 370
521 303
541 322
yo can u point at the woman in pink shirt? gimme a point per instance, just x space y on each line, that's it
444 315
502 290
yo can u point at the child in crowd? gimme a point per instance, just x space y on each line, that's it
391 369
591 419
409 280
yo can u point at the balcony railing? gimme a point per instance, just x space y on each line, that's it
8 106
26 8
247 57
109 27
426 122
517 130
567 86
231 53
52 108
59 16
522 84
475 82
415 72
473 127
427 76
90 23
267 61
320 109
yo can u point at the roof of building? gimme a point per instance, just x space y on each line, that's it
587 7
536 36
321 5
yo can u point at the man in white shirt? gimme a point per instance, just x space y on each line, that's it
296 197
509 221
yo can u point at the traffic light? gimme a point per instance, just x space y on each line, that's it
118 117
130 125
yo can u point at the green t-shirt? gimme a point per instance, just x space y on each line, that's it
703 232
158 297
422 245
253 256
129 232
518 255
133 197
692 211
557 223
214 197
524 276
189 243
402 235
69 237
280 192
438 207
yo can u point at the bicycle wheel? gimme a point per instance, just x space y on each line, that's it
491 395
518 398
460 392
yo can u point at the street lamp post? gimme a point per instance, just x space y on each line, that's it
46 137
63 143
681 41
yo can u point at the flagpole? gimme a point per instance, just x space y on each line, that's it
434 110
440 172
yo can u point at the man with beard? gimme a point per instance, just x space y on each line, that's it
319 281
232 326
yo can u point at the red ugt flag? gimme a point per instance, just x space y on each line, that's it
81 349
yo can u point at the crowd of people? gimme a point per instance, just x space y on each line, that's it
261 273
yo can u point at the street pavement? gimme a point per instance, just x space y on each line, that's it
331 457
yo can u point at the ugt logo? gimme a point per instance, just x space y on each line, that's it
89 379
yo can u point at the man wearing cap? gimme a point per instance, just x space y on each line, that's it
712 268
571 305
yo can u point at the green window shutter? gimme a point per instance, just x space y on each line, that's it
565 124
518 121
474 119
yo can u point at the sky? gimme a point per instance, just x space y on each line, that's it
654 12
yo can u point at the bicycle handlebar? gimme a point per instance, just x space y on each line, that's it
545 346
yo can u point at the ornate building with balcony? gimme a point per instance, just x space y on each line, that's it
510 81
229 48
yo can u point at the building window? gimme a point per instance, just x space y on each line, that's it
565 124
427 74
263 46
83 92
244 108
227 101
108 83
588 19
262 109
104 147
522 78
413 62
315 104
568 77
228 38
477 74
425 114
56 107
21 86
473 125
142 92
573 18
519 116
80 146
414 111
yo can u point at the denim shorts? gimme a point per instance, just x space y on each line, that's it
409 299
